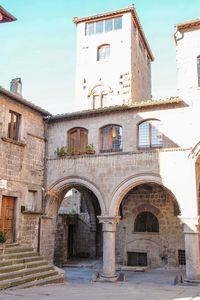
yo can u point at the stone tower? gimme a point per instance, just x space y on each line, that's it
187 38
113 60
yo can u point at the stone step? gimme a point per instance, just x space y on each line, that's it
12 245
10 262
17 255
10 250
44 281
17 267
24 272
26 279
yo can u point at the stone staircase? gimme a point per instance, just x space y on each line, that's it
21 267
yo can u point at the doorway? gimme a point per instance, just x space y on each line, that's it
7 217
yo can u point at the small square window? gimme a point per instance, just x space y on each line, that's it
32 201
118 23
109 25
90 28
14 126
99 27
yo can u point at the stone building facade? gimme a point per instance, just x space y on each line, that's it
22 148
136 164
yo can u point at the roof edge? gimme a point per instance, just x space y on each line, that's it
7 17
188 24
124 107
25 102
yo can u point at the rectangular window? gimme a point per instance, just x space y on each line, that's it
118 23
14 126
181 257
96 101
32 201
99 27
103 26
198 69
108 25
90 28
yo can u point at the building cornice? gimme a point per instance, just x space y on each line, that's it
188 24
5 16
138 105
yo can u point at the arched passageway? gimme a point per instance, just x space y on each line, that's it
72 220
78 232
149 232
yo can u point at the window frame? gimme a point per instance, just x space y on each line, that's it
111 148
149 146
78 130
114 25
103 47
35 200
14 133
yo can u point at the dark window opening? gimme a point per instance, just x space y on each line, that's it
181 257
14 126
137 259
111 138
146 222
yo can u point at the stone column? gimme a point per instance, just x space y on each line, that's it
192 249
109 229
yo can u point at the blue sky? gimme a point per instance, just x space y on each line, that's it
40 47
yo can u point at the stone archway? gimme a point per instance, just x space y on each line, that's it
131 182
55 196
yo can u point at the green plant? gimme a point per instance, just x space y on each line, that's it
90 147
3 237
60 151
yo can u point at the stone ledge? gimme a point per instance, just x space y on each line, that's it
29 212
8 140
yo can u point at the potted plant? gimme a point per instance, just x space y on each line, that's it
60 151
82 151
90 149
3 239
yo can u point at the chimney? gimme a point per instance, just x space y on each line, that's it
16 86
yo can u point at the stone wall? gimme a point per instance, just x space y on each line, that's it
161 247
22 166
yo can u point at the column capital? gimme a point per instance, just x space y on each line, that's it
109 222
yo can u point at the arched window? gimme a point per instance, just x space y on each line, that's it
111 138
77 138
103 52
146 222
100 100
198 70
149 135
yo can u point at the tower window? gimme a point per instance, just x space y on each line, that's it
103 52
149 135
103 26
111 138
146 222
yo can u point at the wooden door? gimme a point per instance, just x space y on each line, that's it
7 217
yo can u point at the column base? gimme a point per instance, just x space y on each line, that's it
108 278
192 282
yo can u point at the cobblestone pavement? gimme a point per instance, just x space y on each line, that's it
151 285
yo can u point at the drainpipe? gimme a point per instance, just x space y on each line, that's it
44 184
